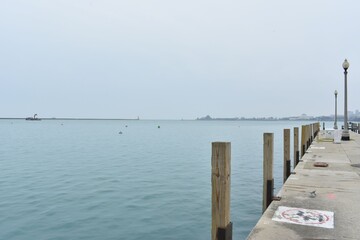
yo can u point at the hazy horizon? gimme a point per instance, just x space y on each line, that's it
340 117
159 59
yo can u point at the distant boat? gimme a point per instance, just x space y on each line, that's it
34 118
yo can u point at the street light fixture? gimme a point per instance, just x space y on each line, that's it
335 123
345 133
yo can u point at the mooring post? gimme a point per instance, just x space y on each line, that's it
303 141
287 164
308 136
220 182
296 146
268 180
312 132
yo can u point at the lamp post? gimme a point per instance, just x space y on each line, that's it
345 133
335 123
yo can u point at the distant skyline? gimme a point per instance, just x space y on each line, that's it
158 59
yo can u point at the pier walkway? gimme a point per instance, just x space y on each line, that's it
317 202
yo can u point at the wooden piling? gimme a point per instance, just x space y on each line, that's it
296 146
307 136
268 180
303 140
220 181
287 164
317 129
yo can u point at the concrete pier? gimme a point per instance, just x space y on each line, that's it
320 199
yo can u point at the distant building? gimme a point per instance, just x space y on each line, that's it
302 117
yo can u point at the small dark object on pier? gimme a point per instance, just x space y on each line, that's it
321 164
276 198
313 194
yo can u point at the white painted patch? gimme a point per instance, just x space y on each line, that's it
317 147
307 217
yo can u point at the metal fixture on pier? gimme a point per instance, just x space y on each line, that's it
345 133
335 123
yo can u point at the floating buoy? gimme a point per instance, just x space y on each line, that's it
120 132
158 126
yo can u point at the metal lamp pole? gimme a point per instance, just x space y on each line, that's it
335 123
345 133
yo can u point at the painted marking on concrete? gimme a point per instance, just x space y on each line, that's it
331 196
307 217
317 147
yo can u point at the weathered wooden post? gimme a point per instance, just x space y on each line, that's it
296 146
312 132
303 140
287 164
220 182
308 136
268 180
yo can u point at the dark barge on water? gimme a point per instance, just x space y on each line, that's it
34 118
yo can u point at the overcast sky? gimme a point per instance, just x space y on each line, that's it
167 59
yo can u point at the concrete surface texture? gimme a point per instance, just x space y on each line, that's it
318 202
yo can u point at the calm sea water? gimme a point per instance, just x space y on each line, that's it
84 180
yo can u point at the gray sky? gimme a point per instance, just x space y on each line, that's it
163 59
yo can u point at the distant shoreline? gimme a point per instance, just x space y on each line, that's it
300 118
93 119
198 119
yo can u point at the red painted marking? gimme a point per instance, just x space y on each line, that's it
331 196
